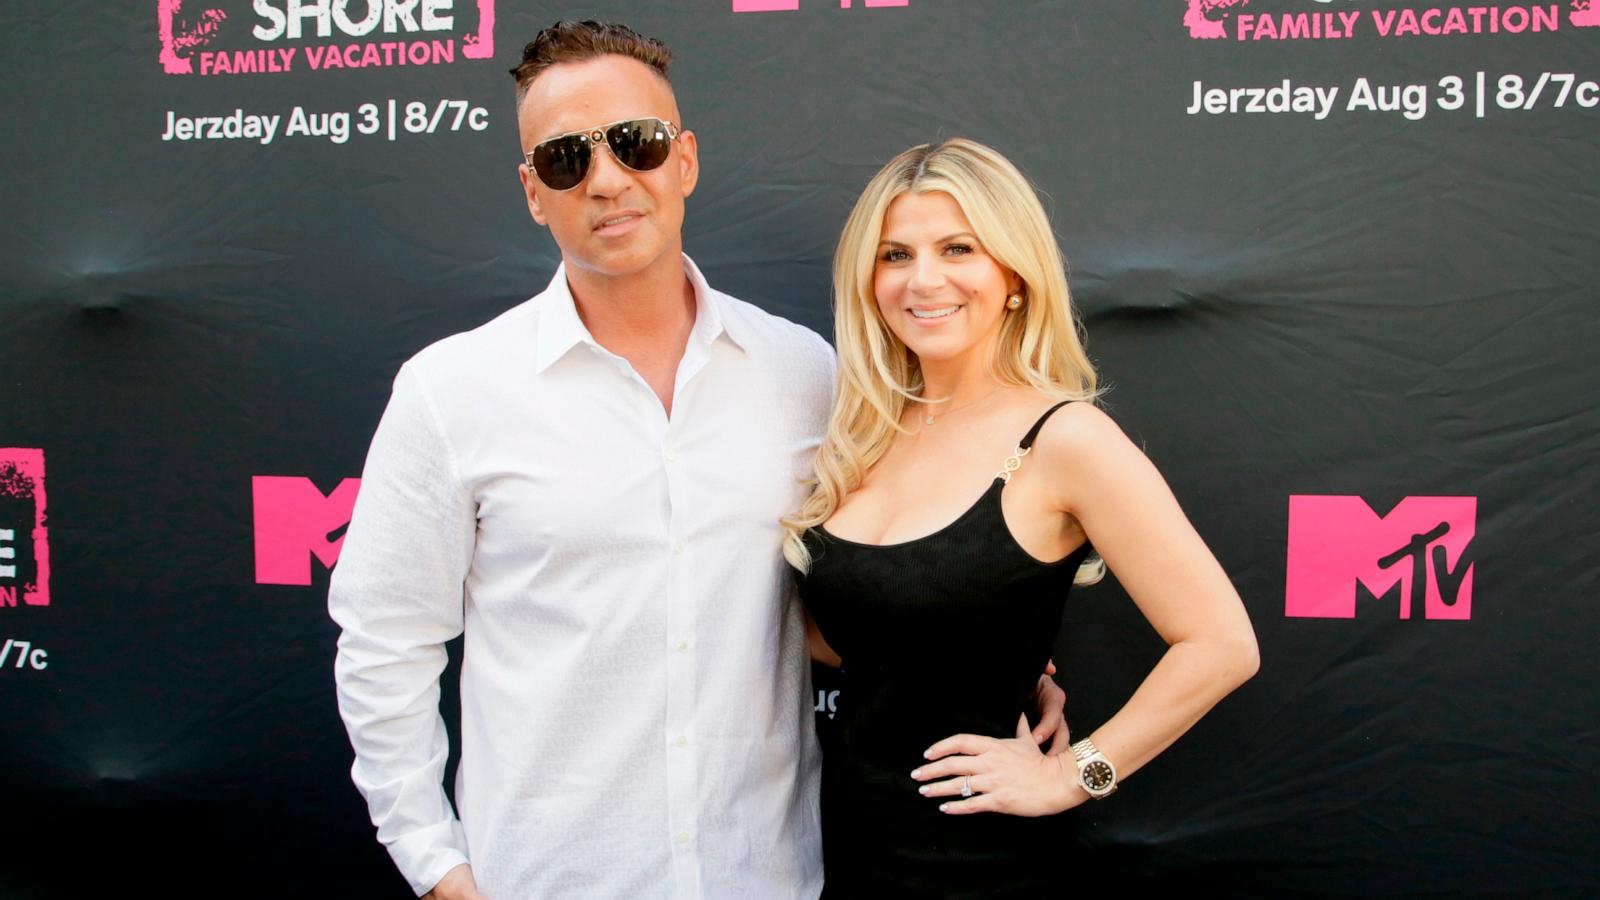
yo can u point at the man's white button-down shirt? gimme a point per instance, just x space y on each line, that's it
634 688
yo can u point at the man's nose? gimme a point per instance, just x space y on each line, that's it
607 177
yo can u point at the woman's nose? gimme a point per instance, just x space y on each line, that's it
926 273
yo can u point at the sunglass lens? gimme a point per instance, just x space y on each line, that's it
562 162
641 145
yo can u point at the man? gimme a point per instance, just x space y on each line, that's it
588 487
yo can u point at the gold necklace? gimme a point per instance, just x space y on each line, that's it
930 419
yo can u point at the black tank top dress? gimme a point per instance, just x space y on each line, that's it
940 635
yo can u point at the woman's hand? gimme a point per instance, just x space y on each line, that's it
1005 775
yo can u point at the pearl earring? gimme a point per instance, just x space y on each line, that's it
1014 301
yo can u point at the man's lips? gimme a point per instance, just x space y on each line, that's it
617 221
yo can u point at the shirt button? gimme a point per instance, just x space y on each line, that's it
671 457
681 646
677 549
682 837
680 741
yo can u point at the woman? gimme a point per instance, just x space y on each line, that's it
960 367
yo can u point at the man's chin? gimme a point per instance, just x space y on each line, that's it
622 262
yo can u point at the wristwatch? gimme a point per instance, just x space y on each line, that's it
1096 775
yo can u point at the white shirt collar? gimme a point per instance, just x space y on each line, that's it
560 328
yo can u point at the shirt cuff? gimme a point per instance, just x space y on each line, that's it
426 856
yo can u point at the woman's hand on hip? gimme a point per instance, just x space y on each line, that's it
1004 775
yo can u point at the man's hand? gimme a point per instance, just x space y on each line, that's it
1051 702
457 884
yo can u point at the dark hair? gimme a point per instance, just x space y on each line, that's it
566 42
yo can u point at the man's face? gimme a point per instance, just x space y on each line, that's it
616 222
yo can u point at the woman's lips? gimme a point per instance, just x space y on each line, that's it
932 315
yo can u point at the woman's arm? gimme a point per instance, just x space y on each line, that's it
1136 525
1130 515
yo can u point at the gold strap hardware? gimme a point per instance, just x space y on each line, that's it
1013 463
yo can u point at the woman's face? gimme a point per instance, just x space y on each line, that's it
936 287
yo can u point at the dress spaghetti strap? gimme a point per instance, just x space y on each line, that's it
1027 442
1014 461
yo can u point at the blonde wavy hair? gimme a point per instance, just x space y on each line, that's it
1040 345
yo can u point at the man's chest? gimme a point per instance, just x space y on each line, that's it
594 469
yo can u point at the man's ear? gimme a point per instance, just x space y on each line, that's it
688 161
528 179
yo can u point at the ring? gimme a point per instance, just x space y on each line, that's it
966 785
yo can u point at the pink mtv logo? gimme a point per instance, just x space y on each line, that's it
1584 13
741 6
1208 19
295 522
1418 551
24 541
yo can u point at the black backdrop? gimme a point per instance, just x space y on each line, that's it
1311 307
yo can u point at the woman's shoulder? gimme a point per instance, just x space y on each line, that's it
1064 419
1080 437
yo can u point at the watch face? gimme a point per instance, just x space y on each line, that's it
1097 776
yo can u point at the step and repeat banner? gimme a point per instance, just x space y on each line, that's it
1336 258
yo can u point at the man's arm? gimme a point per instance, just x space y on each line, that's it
397 593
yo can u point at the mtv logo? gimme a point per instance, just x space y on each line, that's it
294 522
1339 547
24 540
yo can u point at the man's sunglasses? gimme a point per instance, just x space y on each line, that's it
562 162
